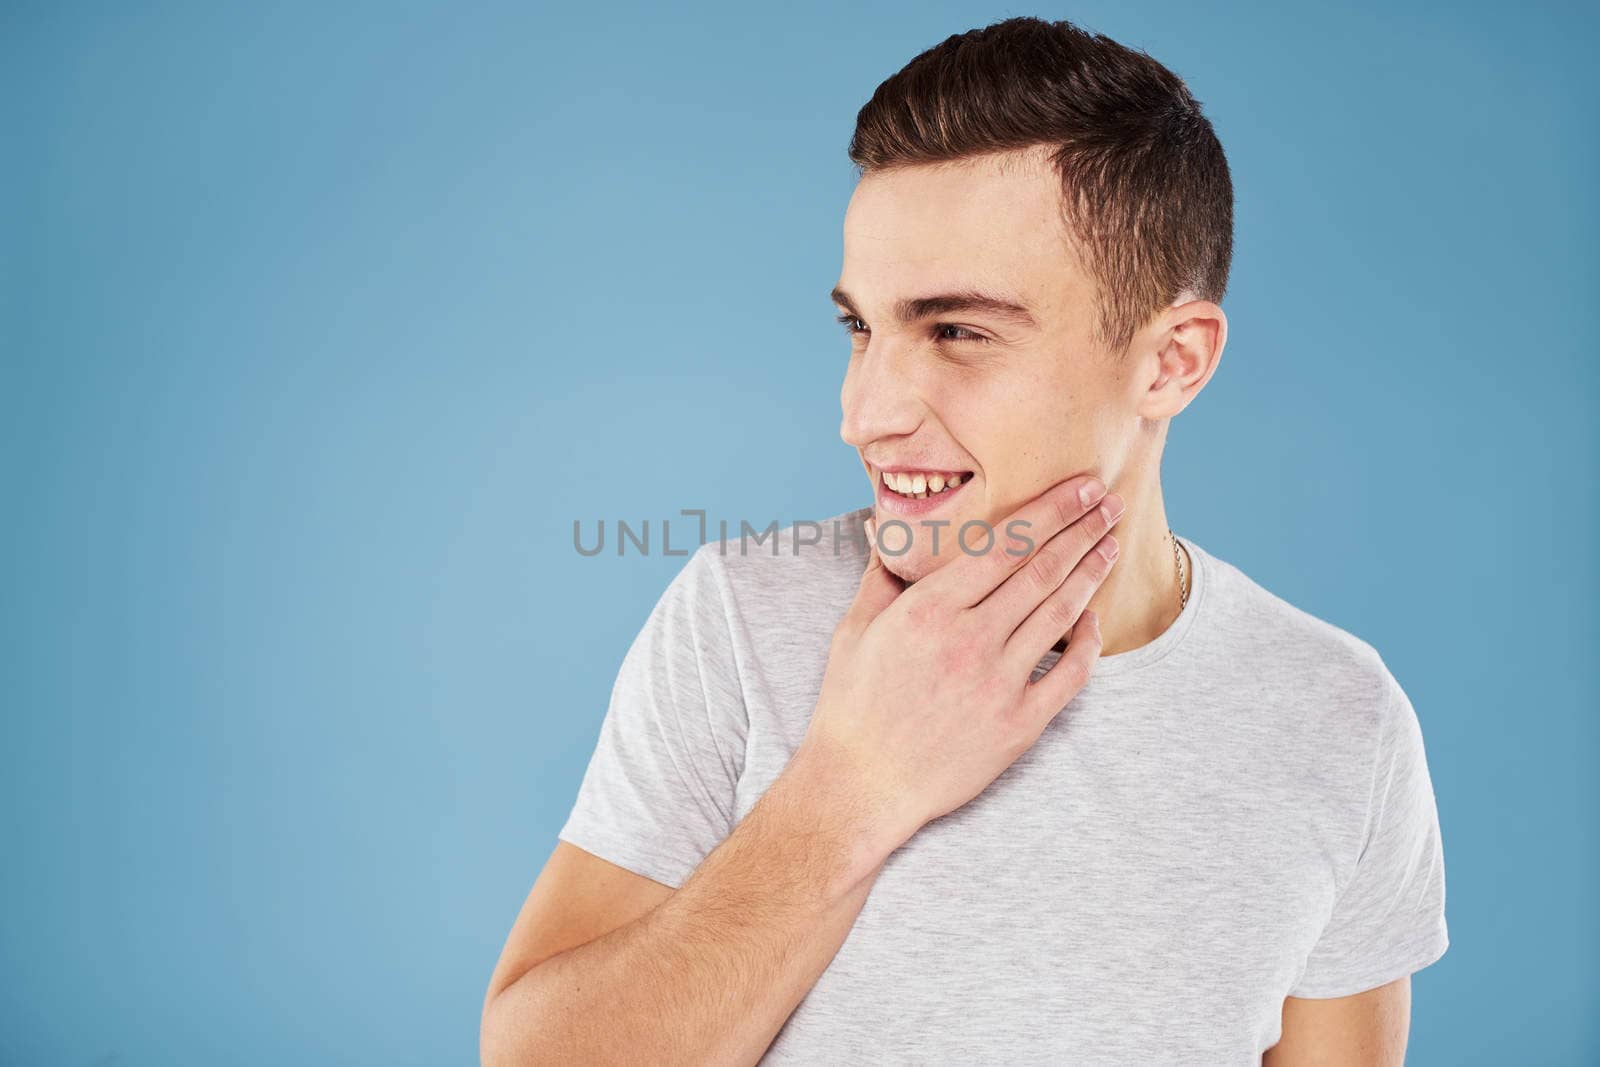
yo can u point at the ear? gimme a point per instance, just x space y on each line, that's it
1185 348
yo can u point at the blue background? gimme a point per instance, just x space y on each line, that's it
322 324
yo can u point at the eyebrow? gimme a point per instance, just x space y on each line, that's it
915 309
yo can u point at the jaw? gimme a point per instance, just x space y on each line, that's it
935 539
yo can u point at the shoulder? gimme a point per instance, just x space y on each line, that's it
1298 659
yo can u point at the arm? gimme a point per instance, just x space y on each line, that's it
1364 1030
712 973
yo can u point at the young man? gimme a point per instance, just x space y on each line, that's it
860 802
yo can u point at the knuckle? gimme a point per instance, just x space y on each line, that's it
1068 509
922 611
1042 575
1074 673
1000 562
1064 611
1089 546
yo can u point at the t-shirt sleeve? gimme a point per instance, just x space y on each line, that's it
1388 920
658 794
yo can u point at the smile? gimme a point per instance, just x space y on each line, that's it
919 485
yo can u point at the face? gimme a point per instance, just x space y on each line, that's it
1003 398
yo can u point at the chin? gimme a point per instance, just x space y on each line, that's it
907 568
920 561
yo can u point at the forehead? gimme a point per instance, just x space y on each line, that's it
993 223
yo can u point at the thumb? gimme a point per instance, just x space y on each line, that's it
879 586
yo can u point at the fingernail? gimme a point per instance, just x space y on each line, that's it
1091 491
872 531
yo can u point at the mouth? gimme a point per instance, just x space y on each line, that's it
915 491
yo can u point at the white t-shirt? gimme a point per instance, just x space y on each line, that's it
1236 812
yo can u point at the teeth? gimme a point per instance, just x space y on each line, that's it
920 485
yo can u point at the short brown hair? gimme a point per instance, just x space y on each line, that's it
1140 165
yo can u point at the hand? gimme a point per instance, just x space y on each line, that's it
927 697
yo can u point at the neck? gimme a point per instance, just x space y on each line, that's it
1140 598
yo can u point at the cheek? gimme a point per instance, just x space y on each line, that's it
973 408
1020 432
1040 439
1026 425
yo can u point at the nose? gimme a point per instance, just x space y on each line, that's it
879 398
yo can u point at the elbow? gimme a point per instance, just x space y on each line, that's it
491 1042
507 1031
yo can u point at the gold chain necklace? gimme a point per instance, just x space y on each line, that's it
1183 578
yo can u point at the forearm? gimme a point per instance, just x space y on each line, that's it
709 976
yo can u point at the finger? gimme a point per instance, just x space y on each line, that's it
1055 689
878 587
1059 612
974 574
1023 592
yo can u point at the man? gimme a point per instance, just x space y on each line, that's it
864 803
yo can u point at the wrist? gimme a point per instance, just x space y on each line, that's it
820 797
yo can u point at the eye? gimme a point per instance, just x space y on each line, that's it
849 321
944 331
965 334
